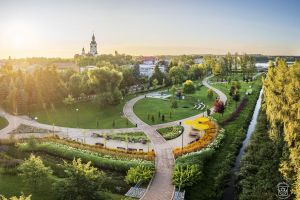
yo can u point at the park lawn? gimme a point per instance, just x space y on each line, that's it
231 104
147 107
12 185
89 116
3 123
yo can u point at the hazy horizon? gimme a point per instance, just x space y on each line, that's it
61 28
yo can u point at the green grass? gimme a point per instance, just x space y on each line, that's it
231 104
89 116
152 106
170 133
11 185
3 123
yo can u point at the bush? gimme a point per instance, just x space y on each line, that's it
138 174
189 87
187 175
174 104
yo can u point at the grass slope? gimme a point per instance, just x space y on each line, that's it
151 106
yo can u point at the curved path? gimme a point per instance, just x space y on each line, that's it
160 187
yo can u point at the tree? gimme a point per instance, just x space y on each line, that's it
158 75
174 104
105 82
173 90
219 106
210 93
184 176
82 182
22 197
34 172
196 71
154 83
282 103
69 100
75 85
189 87
140 173
177 74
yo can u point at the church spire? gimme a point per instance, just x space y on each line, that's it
93 38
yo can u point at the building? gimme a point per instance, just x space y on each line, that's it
93 48
148 66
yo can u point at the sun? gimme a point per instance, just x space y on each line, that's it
19 35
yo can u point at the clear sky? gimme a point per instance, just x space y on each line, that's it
60 28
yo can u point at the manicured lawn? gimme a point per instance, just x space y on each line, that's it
3 123
147 107
231 104
11 185
89 115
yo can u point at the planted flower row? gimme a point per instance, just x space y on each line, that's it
100 160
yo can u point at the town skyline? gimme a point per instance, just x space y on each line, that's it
44 29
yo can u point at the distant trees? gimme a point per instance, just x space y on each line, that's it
158 75
177 74
105 82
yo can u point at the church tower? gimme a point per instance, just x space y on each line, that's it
93 46
83 52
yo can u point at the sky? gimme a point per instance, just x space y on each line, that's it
60 28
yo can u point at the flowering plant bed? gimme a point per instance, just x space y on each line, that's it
202 142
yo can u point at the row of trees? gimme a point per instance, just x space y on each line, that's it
282 104
20 92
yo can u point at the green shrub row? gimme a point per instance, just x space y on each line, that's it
102 161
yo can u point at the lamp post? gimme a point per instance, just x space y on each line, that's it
77 117
180 131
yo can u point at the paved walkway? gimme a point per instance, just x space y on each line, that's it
161 187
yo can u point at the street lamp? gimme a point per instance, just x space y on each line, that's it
77 116
180 131
36 118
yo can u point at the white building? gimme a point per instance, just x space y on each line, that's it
88 68
148 69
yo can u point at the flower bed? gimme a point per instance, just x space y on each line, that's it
170 133
105 151
98 159
200 143
205 153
